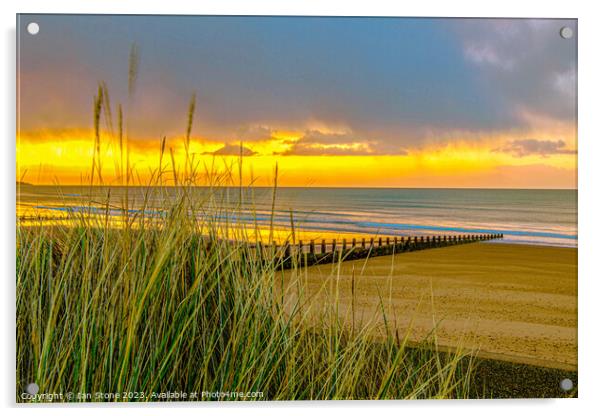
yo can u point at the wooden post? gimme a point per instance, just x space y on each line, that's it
388 241
371 242
323 248
334 245
353 242
363 242
287 249
415 240
300 247
312 247
259 247
380 241
273 250
344 244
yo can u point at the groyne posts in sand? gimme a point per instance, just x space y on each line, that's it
302 254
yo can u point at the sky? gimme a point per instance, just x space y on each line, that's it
359 102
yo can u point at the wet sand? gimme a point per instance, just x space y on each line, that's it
515 303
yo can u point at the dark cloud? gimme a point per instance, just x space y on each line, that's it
402 81
521 148
232 150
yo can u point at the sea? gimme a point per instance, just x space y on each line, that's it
524 216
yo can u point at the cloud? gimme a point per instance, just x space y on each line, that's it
521 148
318 137
303 150
524 63
395 83
485 54
232 150
255 133
566 82
317 143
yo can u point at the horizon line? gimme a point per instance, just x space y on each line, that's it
302 187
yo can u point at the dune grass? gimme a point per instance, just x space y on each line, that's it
181 301
173 306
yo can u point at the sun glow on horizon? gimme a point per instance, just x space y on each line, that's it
65 157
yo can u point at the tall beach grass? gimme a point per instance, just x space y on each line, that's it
171 305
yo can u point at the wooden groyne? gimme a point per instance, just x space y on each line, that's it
327 251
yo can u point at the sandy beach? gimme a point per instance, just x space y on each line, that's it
512 302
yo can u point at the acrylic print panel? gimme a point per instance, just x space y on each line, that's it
295 208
